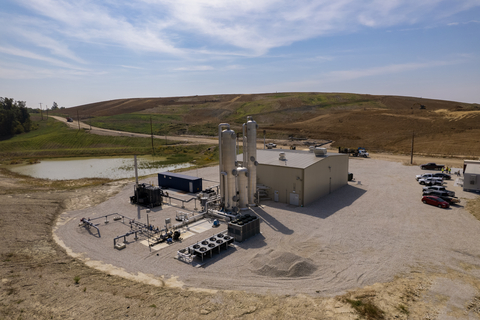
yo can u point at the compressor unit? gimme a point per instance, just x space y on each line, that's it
147 195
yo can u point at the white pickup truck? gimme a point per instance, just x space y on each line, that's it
427 176
431 181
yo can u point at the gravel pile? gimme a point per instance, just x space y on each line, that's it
282 264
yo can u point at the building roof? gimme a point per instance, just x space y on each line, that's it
294 158
472 166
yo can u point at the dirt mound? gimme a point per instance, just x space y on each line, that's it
282 264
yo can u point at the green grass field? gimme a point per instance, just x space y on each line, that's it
54 139
140 123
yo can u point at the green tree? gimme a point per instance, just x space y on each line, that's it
14 117
54 106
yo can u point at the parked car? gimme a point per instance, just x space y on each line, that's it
431 166
271 145
430 181
435 201
429 190
442 175
450 200
428 176
359 152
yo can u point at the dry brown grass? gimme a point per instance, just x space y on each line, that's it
378 123
473 206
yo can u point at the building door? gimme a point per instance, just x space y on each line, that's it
294 199
190 187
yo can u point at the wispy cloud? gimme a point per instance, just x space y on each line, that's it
352 74
132 67
92 21
252 27
31 55
20 71
342 75
459 23
195 68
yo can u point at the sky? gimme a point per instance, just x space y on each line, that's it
85 51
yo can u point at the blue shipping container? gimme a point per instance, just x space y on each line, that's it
180 182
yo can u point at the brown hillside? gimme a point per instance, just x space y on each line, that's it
379 123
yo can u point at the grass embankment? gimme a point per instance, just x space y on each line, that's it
54 139
140 123
26 184
203 119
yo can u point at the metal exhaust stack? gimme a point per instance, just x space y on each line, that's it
251 156
227 155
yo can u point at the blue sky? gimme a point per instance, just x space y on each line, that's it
82 51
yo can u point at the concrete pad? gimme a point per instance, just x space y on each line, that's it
201 226
358 235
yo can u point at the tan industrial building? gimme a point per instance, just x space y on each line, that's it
300 177
471 175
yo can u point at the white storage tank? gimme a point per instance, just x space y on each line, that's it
242 187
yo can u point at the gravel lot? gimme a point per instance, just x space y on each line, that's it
366 232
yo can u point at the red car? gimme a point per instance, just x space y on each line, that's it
435 201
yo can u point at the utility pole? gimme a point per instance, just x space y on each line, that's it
78 120
151 133
411 153
47 113
41 111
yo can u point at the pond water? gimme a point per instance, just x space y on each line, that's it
78 168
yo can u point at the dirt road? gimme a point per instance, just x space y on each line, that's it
182 139
108 132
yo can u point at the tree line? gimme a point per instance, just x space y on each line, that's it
14 117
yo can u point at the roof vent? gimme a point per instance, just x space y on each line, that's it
320 152
282 156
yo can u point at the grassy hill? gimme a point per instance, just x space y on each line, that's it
379 123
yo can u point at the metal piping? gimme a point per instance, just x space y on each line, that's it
186 222
221 215
136 171
90 224
236 176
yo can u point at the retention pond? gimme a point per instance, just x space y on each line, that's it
78 168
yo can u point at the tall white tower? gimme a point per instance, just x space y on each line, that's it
227 156
251 158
